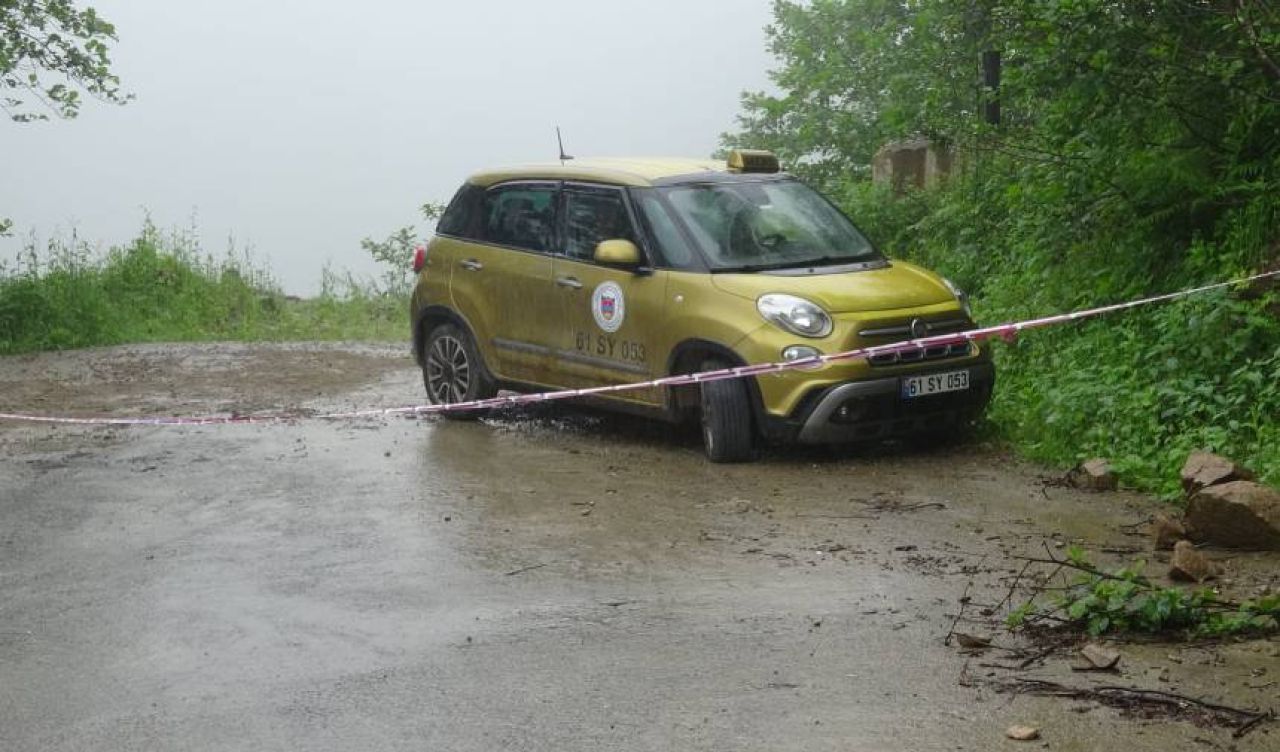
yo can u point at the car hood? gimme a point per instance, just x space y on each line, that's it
897 285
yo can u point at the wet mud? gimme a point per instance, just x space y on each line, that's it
552 579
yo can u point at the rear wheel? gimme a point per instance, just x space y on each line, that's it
453 372
726 419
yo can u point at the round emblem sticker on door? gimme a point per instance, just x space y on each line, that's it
608 306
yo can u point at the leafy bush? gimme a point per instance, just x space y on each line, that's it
1143 388
1125 601
1138 152
160 288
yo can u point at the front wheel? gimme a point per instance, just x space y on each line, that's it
726 419
961 430
453 372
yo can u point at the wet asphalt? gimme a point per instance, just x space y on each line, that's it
554 580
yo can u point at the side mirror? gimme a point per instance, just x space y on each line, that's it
617 253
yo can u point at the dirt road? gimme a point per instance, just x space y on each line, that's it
553 580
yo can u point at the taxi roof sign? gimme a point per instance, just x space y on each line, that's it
753 160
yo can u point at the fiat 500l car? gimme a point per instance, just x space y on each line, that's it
600 272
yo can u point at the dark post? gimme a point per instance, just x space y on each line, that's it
991 83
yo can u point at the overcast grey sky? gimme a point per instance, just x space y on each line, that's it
300 126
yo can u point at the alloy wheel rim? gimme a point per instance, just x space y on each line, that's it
448 371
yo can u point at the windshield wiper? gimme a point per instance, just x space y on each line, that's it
741 268
816 261
795 264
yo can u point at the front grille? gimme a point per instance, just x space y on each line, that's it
930 328
920 354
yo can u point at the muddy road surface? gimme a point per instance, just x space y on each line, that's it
554 580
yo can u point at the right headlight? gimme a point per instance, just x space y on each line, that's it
961 296
794 314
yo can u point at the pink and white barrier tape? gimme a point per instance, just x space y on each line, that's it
1005 331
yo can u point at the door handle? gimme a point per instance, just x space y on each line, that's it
471 265
571 282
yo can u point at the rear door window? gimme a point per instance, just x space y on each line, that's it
521 215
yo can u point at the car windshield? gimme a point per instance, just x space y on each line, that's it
766 225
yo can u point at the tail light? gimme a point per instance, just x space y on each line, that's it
419 258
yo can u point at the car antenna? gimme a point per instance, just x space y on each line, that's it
560 141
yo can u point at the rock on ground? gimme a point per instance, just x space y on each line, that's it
1093 475
1204 469
1023 733
1167 531
1189 565
1239 514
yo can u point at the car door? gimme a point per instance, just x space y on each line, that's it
611 317
502 284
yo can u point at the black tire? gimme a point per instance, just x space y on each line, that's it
452 371
727 434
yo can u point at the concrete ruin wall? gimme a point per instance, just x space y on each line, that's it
917 163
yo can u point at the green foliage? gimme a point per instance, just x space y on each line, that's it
1147 388
395 253
50 50
1124 601
1138 153
160 288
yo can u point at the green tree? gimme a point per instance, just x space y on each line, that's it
50 51
395 253
853 74
1138 150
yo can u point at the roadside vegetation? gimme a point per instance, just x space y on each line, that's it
1124 601
1127 148
162 287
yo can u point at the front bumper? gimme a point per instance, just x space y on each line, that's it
872 409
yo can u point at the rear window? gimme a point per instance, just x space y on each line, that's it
460 218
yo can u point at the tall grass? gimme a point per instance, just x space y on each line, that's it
162 287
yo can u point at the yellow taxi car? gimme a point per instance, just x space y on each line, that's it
590 273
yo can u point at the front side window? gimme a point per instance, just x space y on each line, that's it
766 225
521 215
592 215
670 245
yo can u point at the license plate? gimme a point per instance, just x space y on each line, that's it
935 383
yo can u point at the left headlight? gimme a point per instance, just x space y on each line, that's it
794 314
961 296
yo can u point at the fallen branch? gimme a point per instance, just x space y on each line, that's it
1135 699
1137 528
964 601
529 568
889 505
1013 588
1095 572
1080 567
1037 656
